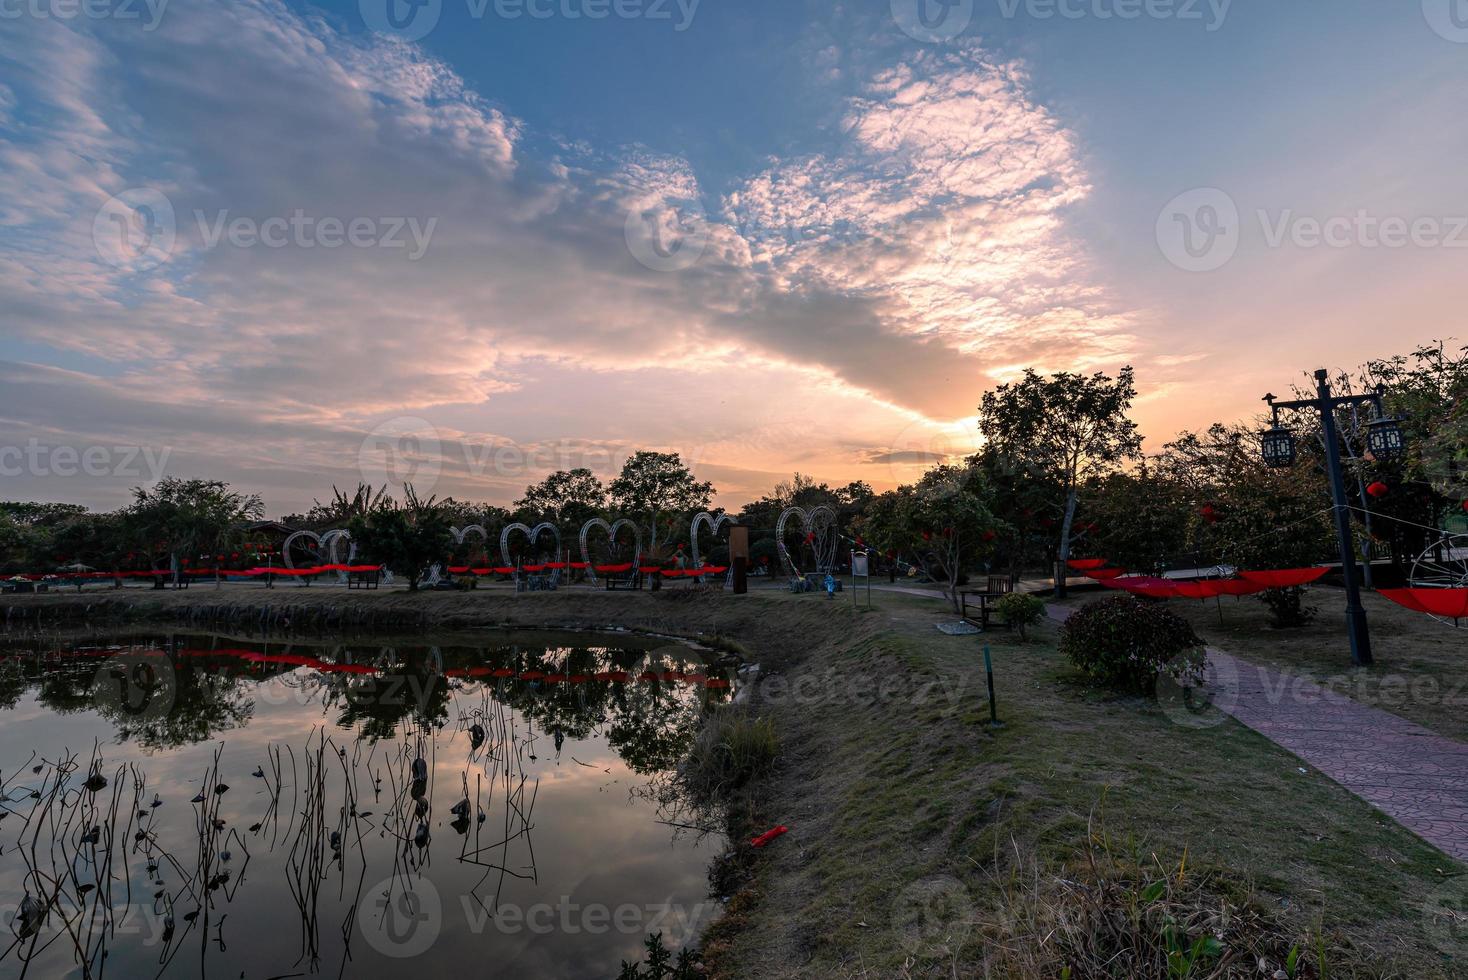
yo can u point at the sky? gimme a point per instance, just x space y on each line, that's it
469 242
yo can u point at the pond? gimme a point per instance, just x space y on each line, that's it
187 804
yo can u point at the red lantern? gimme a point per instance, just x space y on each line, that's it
928 535
1208 513
1378 489
1465 505
810 537
891 553
990 535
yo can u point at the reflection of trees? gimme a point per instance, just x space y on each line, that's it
190 702
410 688
199 694
655 729
205 704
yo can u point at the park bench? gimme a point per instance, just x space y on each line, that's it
996 588
364 579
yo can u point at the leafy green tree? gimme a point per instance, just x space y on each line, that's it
188 519
657 487
1060 431
339 511
406 537
567 498
1141 518
949 510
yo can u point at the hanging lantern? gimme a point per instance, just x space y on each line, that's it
1209 513
1277 446
990 535
1378 489
1384 440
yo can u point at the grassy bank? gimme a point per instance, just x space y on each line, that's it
922 840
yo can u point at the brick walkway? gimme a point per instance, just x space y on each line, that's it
1415 776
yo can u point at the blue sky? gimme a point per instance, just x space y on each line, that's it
870 227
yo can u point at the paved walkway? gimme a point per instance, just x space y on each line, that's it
1415 776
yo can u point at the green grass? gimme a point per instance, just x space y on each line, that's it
910 798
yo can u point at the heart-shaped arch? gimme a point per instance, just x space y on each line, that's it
533 533
460 535
819 525
714 523
290 541
611 530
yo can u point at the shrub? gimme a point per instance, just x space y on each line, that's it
732 747
1128 642
1020 610
1287 607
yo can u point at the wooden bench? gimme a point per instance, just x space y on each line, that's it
997 587
364 580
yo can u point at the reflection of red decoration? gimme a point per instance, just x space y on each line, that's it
1452 603
1378 489
1284 578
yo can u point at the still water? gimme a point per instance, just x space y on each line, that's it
184 805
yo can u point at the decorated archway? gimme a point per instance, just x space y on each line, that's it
611 530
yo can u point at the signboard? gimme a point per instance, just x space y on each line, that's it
859 566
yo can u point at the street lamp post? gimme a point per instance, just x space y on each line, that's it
1383 441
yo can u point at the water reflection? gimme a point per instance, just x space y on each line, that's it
188 804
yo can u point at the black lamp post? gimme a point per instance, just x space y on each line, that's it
1383 442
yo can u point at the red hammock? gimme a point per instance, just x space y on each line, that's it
1102 574
1284 578
1452 603
1082 564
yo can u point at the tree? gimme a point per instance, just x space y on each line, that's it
568 498
188 520
949 510
1062 430
340 510
407 537
652 485
1142 518
1247 514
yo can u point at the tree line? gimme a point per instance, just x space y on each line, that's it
1061 473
